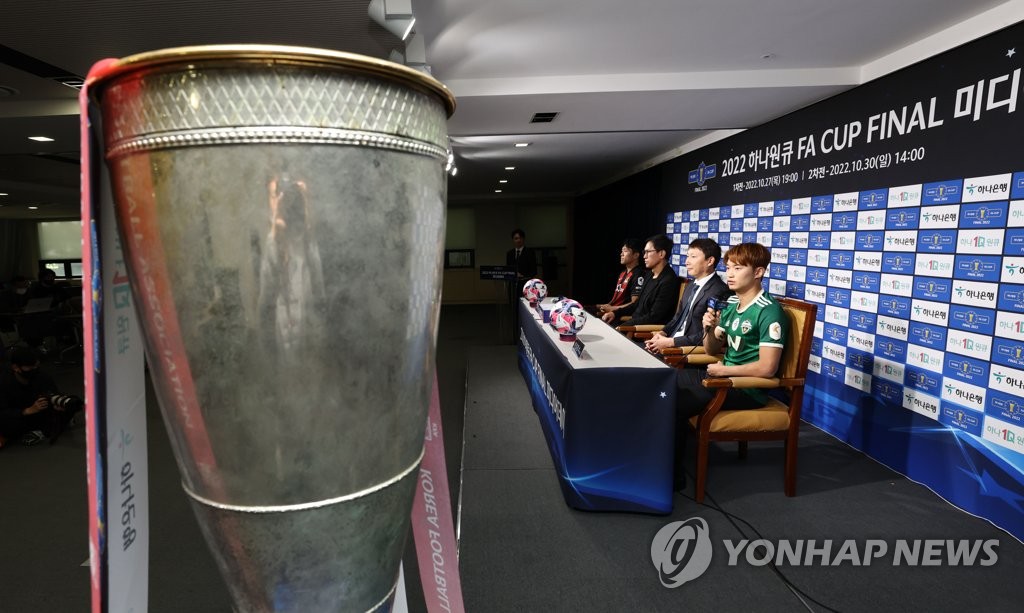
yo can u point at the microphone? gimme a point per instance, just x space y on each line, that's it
713 305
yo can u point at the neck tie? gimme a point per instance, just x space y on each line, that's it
686 302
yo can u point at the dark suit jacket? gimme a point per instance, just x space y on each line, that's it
526 265
714 288
656 301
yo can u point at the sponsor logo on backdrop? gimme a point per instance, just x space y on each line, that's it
777 287
840 278
716 213
902 219
765 209
899 263
1003 433
927 335
924 357
677 216
891 348
966 369
892 327
737 211
901 240
863 321
942 192
930 312
864 301
725 225
818 276
919 402
1006 407
838 296
818 257
843 240
694 215
1010 325
800 223
992 187
1015 215
1008 352
814 364
977 267
871 220
899 285
783 207
932 288
874 199
832 370
780 224
888 369
845 202
844 221
750 209
834 352
820 240
972 319
968 343
860 340
821 204
937 241
906 195
765 238
801 206
841 259
858 380
870 241
834 334
964 419
1012 270
735 238
980 241
795 289
1014 242
821 222
814 293
837 315
940 217
780 256
867 261
974 293
750 224
702 226
887 390
963 394
765 224
922 380
985 215
796 255
796 273
934 265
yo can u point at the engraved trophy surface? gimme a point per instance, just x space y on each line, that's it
282 212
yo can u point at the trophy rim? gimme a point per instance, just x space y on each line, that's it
274 54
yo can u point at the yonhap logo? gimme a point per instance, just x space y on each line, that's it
681 551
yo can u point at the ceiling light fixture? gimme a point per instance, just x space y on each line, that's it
3 194
510 168
33 208
502 180
395 16
41 139
497 191
522 144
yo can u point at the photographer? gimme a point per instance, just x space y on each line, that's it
31 408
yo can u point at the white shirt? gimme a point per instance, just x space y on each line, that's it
698 285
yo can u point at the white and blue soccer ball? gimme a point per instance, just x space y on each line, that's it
534 291
568 317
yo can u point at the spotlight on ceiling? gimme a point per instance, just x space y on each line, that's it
395 16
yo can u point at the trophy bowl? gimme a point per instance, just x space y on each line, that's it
282 215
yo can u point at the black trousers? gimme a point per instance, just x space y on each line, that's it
691 400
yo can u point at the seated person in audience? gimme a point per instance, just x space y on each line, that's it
48 288
658 298
685 327
752 328
31 407
15 295
627 288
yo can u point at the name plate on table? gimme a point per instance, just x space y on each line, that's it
577 348
497 273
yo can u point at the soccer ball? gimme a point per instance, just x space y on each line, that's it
534 291
568 318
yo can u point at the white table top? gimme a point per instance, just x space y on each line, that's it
604 347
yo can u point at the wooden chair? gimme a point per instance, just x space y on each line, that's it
646 331
774 421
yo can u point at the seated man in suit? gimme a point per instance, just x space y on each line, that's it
658 298
685 328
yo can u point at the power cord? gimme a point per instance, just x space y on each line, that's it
731 517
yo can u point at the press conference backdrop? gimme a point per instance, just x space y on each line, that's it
898 207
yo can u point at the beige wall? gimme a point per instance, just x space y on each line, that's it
486 226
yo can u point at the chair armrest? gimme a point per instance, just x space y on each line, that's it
742 382
649 327
682 360
690 350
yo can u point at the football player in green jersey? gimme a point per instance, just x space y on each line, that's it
752 328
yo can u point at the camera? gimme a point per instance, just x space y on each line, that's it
63 402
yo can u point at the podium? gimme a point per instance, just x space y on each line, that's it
507 298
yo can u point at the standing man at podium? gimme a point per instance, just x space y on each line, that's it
521 258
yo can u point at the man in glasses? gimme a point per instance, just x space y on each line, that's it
658 298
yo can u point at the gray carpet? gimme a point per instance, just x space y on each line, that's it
522 548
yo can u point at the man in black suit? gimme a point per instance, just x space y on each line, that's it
521 258
660 291
685 328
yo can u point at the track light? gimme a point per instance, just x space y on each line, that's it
395 16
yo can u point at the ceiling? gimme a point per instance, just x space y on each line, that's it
633 83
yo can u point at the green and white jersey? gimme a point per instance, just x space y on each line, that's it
760 323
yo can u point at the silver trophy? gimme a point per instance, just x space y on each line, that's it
282 213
